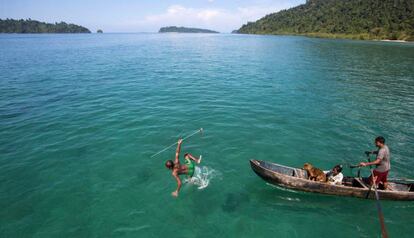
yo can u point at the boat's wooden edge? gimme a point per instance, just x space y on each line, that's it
257 163
280 174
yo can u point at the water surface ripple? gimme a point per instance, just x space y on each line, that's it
80 116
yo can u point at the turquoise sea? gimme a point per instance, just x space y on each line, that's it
80 116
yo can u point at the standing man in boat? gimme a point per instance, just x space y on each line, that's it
177 169
382 162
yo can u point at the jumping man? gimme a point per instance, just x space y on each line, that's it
177 169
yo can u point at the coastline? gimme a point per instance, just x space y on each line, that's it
363 37
400 41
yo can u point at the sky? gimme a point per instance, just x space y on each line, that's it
145 15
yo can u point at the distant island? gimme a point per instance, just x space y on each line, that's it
33 26
351 19
184 30
99 31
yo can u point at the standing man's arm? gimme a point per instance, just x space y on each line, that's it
375 162
380 156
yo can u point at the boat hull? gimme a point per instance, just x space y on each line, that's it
279 175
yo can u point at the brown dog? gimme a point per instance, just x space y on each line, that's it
315 174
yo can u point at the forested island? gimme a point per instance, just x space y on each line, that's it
33 26
351 19
184 30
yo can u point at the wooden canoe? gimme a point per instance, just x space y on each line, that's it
296 179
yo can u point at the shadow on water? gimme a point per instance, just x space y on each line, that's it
235 201
203 205
143 176
81 152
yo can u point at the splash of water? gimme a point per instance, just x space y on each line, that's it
202 176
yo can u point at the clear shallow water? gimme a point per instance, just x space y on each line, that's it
80 116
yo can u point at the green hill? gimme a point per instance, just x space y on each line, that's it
354 19
32 26
184 30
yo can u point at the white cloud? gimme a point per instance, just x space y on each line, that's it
212 18
179 15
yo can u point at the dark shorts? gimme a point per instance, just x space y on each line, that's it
381 176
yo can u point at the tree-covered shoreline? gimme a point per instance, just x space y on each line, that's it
184 30
33 26
347 19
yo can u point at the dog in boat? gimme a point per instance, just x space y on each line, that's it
314 174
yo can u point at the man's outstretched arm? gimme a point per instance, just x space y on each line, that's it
177 152
177 178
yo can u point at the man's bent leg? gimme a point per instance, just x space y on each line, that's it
194 158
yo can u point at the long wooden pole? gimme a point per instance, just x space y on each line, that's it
166 148
379 208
